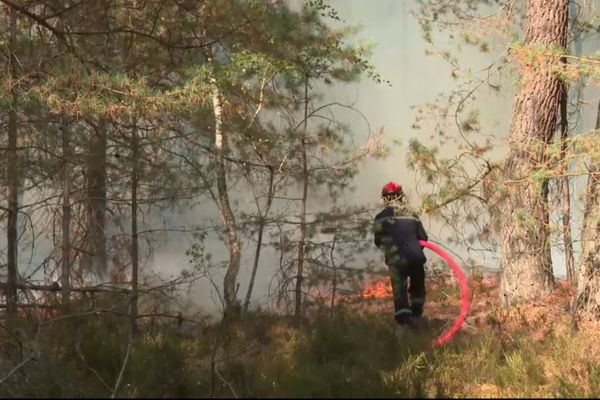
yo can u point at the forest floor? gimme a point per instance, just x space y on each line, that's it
534 350
352 350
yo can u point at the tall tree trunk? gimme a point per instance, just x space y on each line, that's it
96 259
301 242
134 230
588 281
335 277
232 305
13 178
565 190
526 259
65 276
261 228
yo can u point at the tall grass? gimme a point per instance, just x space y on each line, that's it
353 352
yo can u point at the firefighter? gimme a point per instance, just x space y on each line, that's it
397 230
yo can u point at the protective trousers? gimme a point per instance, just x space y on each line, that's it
408 286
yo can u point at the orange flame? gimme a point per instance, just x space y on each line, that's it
380 289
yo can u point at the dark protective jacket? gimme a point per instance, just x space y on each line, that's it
398 231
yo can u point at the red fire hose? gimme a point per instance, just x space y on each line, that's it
464 292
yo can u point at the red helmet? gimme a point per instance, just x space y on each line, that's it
391 188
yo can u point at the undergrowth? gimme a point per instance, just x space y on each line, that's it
354 351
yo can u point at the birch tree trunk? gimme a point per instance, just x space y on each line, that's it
232 305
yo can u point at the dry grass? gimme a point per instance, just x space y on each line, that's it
536 350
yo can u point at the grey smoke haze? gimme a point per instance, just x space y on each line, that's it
399 56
